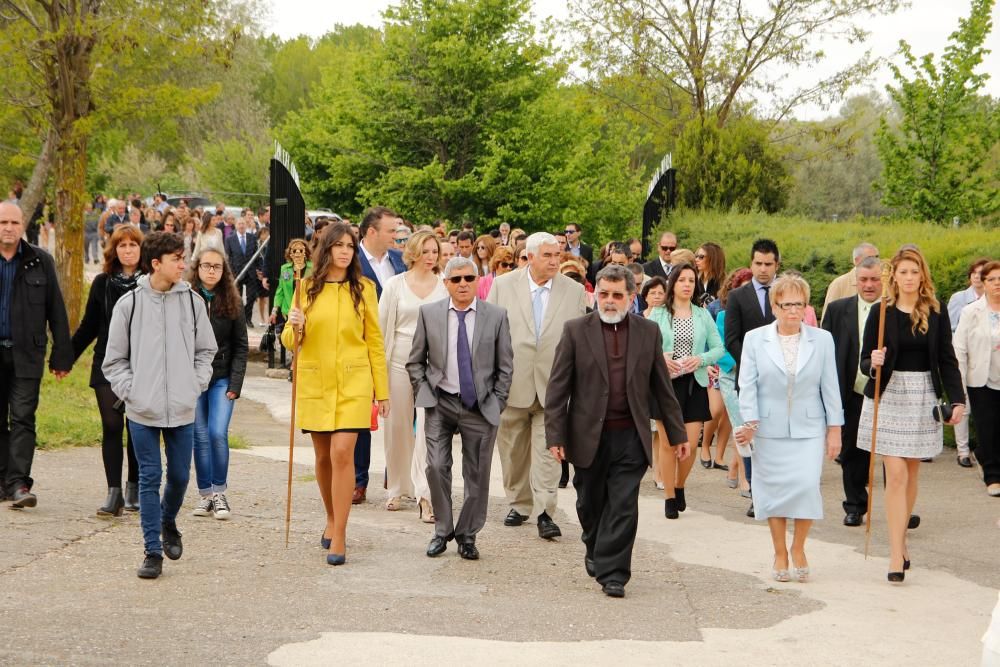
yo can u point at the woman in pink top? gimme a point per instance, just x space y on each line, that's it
502 262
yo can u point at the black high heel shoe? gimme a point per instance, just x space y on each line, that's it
681 501
897 577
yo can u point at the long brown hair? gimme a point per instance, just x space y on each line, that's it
926 299
226 302
715 264
675 275
121 233
322 260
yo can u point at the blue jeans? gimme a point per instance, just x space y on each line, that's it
177 443
211 438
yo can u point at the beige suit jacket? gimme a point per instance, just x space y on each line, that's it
841 287
533 362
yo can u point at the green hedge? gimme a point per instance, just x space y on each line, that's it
822 250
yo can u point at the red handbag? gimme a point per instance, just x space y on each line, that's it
374 416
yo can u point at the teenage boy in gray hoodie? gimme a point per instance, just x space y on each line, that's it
159 361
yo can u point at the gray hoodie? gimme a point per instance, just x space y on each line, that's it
164 368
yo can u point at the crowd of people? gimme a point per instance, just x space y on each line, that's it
563 357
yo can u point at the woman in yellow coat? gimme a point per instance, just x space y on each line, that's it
341 367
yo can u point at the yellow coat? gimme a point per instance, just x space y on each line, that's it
341 365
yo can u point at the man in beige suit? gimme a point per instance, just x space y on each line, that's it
539 301
846 285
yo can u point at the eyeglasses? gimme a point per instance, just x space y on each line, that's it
794 305
699 256
211 268
668 248
454 280
569 231
506 265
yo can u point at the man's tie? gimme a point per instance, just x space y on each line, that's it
539 308
243 244
768 314
466 383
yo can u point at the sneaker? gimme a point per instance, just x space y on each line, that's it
221 506
205 507
152 567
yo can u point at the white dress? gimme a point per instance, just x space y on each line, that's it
405 446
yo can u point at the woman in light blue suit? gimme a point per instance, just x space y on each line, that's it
691 344
790 404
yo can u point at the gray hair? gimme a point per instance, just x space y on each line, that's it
615 274
870 262
860 248
537 240
459 262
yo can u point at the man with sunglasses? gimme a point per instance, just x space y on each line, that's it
575 245
461 366
661 265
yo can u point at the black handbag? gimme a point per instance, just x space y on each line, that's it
942 412
268 339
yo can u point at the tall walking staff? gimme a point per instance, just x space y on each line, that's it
886 269
299 263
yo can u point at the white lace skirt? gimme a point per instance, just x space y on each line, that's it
906 426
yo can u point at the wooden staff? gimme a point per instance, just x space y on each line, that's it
886 268
299 264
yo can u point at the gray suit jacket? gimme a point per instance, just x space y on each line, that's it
492 357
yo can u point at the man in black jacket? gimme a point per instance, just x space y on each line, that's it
29 300
845 319
240 247
661 265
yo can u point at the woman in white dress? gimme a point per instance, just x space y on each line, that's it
209 235
402 296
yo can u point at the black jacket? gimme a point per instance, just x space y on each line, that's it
231 358
37 302
841 320
94 325
743 314
944 366
237 258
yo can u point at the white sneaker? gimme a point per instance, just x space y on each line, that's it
221 506
204 507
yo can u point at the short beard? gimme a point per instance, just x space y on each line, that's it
609 318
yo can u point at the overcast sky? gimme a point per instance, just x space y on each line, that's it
926 25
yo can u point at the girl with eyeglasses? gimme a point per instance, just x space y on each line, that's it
502 262
121 270
341 367
212 278
399 310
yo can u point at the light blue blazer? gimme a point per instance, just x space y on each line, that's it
707 343
815 401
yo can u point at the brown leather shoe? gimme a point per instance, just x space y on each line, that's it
359 495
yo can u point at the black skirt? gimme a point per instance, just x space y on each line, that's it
693 399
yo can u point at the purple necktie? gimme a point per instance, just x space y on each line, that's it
466 384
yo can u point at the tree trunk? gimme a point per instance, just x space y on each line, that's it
70 168
35 191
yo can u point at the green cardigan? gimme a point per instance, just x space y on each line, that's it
707 343
286 287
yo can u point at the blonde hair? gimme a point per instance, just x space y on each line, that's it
414 248
682 256
791 281
926 298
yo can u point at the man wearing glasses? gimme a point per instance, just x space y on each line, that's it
402 236
661 265
575 246
461 366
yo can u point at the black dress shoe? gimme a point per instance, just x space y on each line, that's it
468 550
914 521
965 461
852 519
588 565
613 589
152 567
23 498
681 502
720 466
896 577
114 504
547 528
131 496
670 508
750 512
438 545
172 546
514 518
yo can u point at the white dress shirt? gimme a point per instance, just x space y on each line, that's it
449 383
382 267
545 295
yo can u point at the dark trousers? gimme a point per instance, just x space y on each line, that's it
607 502
18 402
362 458
985 406
112 428
853 461
478 439
253 288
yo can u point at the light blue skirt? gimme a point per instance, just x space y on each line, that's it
786 477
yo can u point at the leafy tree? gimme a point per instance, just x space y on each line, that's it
936 163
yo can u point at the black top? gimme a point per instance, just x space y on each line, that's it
913 354
231 357
104 294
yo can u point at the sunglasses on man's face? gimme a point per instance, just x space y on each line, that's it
668 248
569 231
454 280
